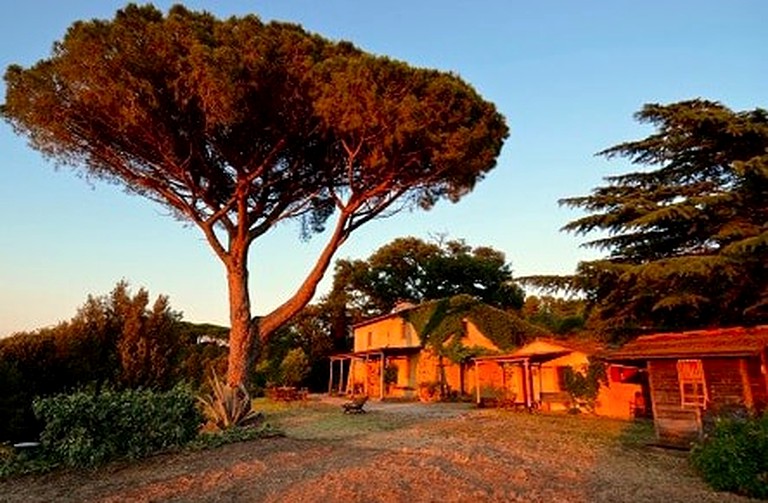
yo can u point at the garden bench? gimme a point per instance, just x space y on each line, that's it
355 405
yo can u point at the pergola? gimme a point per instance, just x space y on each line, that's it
526 361
380 354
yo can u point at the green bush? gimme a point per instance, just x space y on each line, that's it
87 428
294 367
734 456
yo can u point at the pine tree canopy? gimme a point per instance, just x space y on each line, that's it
687 237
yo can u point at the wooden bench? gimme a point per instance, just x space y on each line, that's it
355 405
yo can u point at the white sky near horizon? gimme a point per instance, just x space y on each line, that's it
567 75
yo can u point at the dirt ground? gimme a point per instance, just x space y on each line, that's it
399 452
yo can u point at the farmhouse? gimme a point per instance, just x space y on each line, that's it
423 352
533 377
693 374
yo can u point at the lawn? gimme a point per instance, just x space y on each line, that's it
399 452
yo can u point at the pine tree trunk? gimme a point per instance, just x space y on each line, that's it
240 320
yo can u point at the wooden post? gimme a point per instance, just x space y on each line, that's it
746 394
477 382
527 383
504 380
541 383
764 367
330 377
381 377
365 382
350 386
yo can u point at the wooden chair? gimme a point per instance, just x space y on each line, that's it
355 405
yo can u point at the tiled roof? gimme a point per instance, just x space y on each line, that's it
737 341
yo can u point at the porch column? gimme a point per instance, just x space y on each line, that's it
477 382
350 385
365 382
527 384
381 378
330 377
504 380
541 381
764 366
745 385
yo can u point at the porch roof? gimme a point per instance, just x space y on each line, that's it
522 358
386 351
543 349
723 342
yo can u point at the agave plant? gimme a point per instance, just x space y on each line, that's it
227 406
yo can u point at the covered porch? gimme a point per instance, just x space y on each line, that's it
519 380
364 372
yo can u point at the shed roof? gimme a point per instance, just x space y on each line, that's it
721 342
545 349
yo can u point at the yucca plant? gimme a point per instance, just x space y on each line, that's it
227 406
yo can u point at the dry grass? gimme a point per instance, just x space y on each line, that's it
440 452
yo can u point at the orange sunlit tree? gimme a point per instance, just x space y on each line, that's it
237 125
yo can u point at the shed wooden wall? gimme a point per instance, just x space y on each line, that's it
730 382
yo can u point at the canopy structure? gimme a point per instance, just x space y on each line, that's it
345 385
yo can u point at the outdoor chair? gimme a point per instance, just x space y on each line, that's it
355 405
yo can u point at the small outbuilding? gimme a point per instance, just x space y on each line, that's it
533 377
692 374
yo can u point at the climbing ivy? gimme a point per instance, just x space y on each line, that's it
584 387
441 324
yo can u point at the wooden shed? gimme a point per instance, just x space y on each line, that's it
692 374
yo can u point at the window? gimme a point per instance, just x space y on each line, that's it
693 388
370 339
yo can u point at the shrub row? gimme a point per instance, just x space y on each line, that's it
734 456
87 428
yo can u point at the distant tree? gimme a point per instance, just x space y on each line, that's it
311 332
236 126
687 241
410 269
114 340
294 367
561 316
148 346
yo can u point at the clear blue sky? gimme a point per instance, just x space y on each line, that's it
567 75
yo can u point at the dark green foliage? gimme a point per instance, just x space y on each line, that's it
115 340
687 241
17 422
313 332
199 360
584 387
294 367
87 428
412 270
211 440
734 456
559 316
